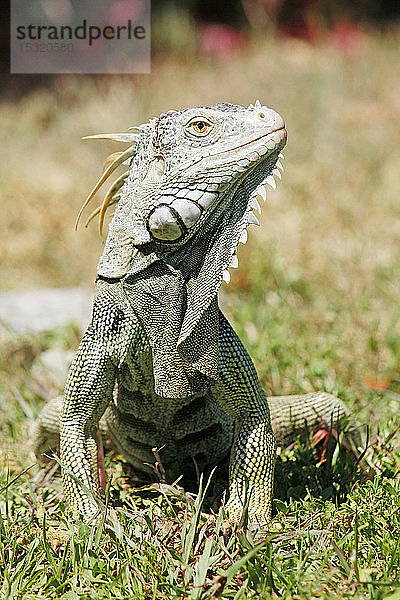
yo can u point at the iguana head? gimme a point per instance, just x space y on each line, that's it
199 156
182 209
188 169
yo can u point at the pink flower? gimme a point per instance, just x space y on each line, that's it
221 39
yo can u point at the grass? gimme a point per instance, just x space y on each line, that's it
315 299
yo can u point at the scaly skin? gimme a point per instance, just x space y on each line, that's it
159 363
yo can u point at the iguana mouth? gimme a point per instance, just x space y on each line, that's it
235 148
265 135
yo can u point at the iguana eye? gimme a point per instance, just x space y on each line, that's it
199 127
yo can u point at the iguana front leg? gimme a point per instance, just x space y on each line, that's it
251 472
88 392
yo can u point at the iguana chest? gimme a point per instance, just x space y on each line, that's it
185 428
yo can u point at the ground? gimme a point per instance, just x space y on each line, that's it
315 300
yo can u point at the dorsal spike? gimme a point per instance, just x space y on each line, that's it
262 192
118 161
253 219
253 203
271 181
126 138
142 127
110 159
243 237
93 215
234 262
226 276
108 199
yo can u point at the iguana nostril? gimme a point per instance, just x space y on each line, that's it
270 118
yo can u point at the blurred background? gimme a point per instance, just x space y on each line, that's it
315 297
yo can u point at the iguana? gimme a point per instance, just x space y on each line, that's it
159 364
